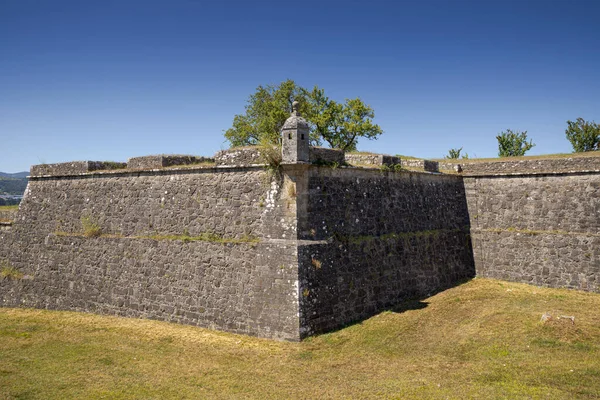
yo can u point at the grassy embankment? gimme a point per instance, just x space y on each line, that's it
482 339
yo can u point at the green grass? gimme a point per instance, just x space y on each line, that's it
482 339
94 230
9 208
203 237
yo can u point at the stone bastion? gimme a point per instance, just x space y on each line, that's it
286 251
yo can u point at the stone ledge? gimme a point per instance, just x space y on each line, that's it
161 161
373 159
8 215
526 167
74 168
249 155
5 225
192 168
426 165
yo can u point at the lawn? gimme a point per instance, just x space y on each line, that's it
481 339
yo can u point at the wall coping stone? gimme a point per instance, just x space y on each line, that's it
548 166
373 159
149 171
74 167
161 161
533 173
427 165
240 156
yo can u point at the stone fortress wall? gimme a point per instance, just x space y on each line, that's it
291 251
389 236
539 228
241 277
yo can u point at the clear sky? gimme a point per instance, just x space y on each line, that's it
109 80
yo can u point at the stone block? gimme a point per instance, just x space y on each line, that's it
323 155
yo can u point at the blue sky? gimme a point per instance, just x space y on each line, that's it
109 80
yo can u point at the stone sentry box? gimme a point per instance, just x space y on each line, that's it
295 139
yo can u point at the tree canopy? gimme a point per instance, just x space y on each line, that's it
340 125
512 144
583 135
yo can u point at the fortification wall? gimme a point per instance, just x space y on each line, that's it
231 202
535 227
289 253
389 236
199 246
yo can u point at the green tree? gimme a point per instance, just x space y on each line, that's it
339 125
266 112
453 154
512 144
583 135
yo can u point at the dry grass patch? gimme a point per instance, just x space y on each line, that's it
482 339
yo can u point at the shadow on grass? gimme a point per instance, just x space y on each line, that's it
407 304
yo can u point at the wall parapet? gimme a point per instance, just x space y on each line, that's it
372 159
326 155
8 215
526 167
190 169
162 161
135 163
74 168
425 165
248 155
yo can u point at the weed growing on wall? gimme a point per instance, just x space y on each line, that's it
390 168
9 272
270 154
90 227
202 237
290 189
316 263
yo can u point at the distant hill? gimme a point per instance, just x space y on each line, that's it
23 174
13 184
